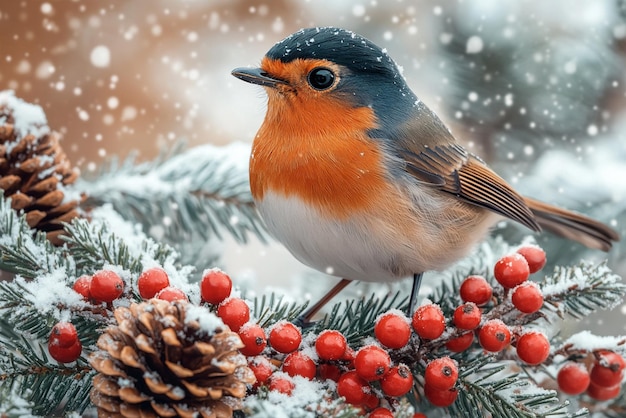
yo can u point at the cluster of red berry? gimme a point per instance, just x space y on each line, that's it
511 272
602 383
374 376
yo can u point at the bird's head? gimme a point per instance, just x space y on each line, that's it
330 68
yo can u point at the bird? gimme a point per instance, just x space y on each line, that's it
359 179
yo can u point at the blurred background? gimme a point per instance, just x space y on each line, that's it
536 88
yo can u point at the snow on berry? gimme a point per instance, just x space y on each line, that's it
215 286
428 321
527 297
392 329
441 373
151 281
511 270
285 337
398 381
467 316
171 294
573 378
254 339
234 312
535 257
299 364
330 345
372 362
106 286
494 335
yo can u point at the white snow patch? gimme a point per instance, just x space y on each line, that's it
209 322
585 340
28 118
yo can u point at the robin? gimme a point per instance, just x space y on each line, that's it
358 178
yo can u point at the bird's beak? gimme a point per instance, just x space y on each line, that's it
256 76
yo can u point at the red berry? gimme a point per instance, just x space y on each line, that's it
65 354
63 334
262 369
353 388
349 356
527 297
282 384
441 398
533 347
460 343
476 289
171 294
82 285
467 316
330 345
299 364
372 362
573 378
234 312
152 281
392 330
494 335
371 401
429 322
381 412
285 337
511 270
253 338
106 286
419 415
441 373
329 372
215 286
603 393
535 257
608 370
398 381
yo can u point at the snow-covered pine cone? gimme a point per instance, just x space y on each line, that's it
34 167
168 359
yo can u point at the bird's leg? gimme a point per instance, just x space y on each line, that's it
305 318
417 281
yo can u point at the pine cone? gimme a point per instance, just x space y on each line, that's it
34 168
160 361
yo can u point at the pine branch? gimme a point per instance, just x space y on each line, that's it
199 192
580 290
23 251
514 395
269 310
24 366
94 244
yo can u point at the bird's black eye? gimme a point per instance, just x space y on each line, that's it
321 78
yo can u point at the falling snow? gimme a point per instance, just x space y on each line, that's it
112 78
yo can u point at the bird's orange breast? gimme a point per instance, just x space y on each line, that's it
318 151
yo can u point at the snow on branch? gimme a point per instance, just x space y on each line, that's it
203 190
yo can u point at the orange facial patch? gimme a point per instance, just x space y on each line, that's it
314 145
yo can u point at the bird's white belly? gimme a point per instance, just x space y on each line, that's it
346 248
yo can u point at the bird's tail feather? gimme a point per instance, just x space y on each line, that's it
574 226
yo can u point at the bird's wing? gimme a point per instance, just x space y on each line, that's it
433 157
